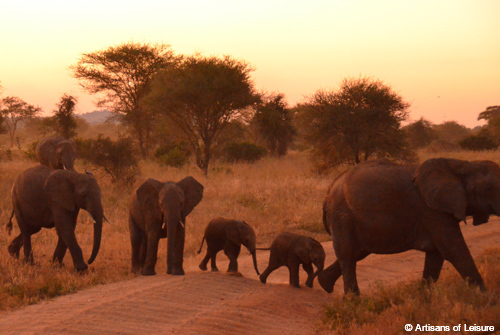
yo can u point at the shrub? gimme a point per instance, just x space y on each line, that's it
175 155
30 153
479 142
117 158
244 152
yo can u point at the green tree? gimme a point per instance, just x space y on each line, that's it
451 131
121 75
420 133
273 120
13 111
479 142
361 120
201 96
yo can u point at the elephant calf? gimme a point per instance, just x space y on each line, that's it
291 250
228 235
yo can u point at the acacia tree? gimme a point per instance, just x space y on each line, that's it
359 121
273 120
420 133
15 110
492 116
121 75
201 96
63 121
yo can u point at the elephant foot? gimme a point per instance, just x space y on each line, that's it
295 285
148 272
203 267
135 269
13 251
262 279
178 272
309 284
81 269
215 270
325 282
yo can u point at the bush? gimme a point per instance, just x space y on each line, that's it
244 152
480 142
118 159
175 155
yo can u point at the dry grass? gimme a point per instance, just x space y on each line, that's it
272 195
449 302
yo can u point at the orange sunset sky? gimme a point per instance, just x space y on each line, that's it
442 56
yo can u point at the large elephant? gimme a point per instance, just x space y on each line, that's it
384 208
158 210
228 235
291 250
44 198
56 153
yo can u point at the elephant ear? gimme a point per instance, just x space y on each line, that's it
147 195
439 182
234 232
59 188
193 192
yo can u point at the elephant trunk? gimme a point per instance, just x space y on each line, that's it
254 258
98 218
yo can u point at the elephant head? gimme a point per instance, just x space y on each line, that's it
57 153
460 188
244 234
72 191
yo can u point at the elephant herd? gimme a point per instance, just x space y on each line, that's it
375 207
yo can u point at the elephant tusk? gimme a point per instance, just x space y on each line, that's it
182 224
106 219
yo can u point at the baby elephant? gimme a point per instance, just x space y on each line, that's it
292 250
228 235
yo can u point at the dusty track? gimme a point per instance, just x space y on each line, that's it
214 303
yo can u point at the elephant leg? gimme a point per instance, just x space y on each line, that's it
310 274
153 238
329 276
15 246
274 263
452 247
144 250
213 262
60 252
136 242
26 238
293 267
232 251
433 265
69 238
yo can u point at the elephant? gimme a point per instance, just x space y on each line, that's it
228 235
291 250
45 198
159 210
385 208
56 153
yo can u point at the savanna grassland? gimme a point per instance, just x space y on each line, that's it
272 195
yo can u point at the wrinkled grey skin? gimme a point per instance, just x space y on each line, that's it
291 250
56 153
383 208
158 210
228 235
43 198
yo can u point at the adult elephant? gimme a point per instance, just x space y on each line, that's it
158 210
384 208
56 153
43 198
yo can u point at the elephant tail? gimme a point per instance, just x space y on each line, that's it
327 228
9 225
201 246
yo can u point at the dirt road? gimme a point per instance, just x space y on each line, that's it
215 303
